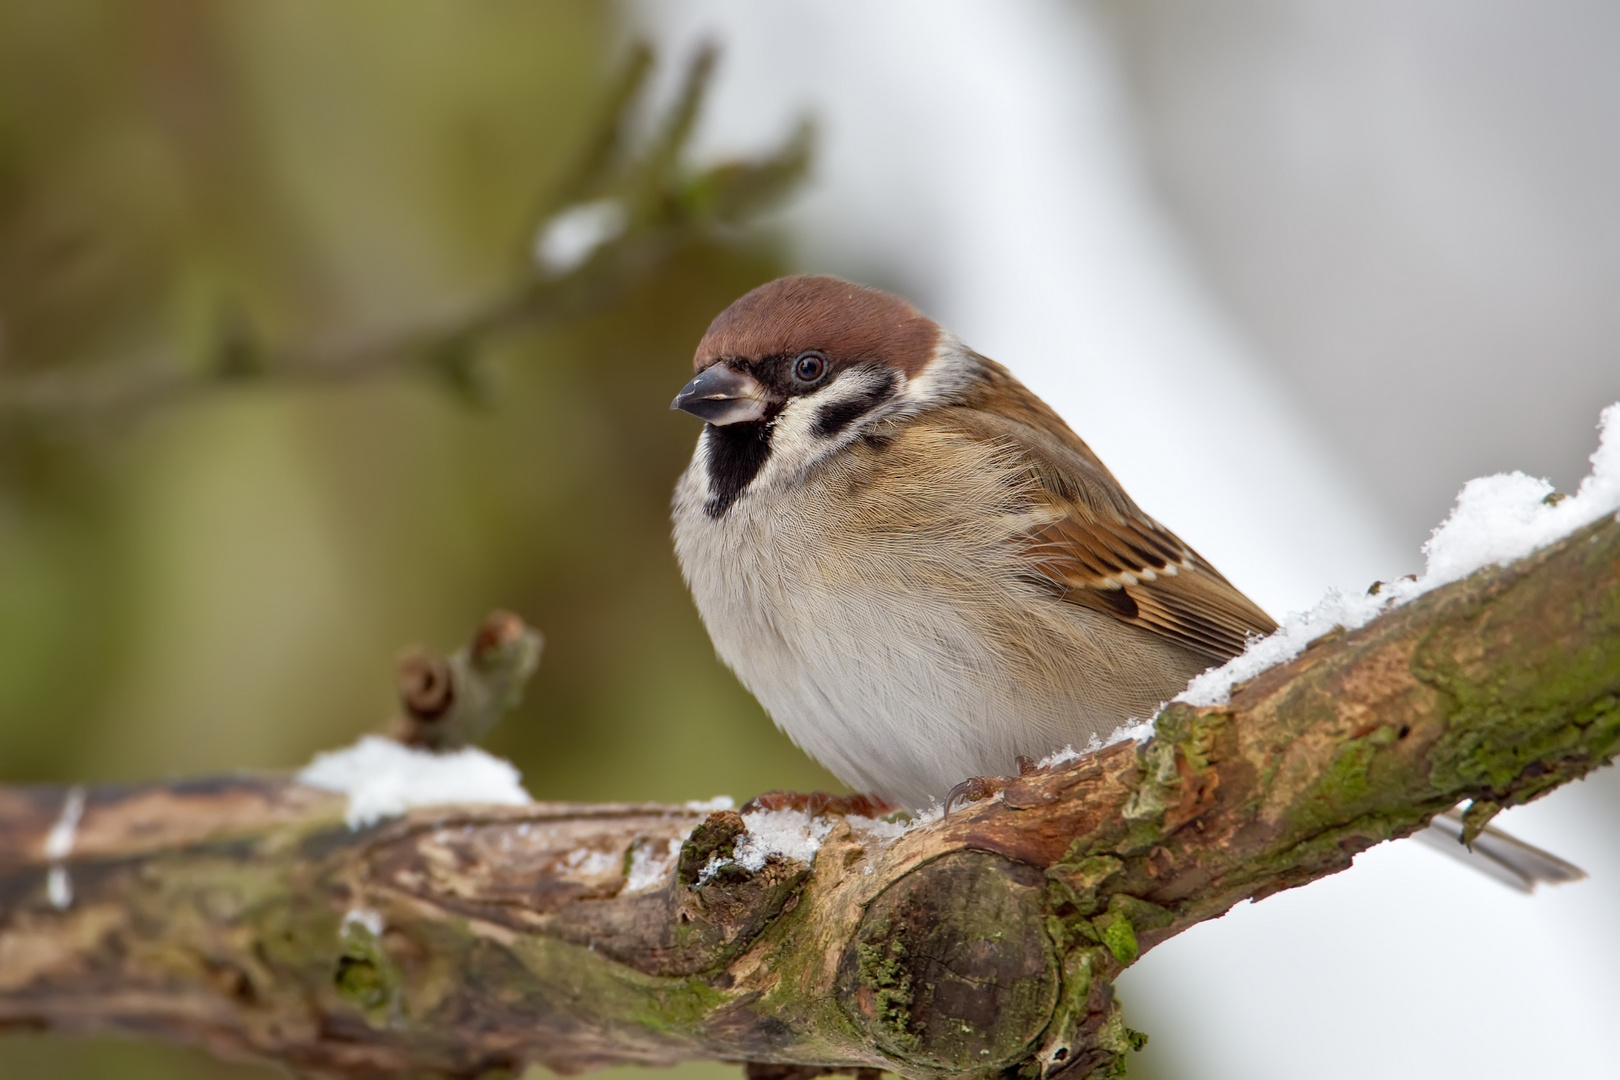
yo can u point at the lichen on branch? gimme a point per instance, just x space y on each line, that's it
245 915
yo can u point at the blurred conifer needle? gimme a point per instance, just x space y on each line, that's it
633 204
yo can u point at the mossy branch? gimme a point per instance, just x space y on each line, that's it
242 914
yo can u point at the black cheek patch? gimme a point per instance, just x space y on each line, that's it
835 416
736 454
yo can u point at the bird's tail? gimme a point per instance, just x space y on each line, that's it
1513 862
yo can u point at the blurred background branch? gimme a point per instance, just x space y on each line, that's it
1374 244
624 208
263 918
254 262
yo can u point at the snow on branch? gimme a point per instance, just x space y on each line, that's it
269 918
1496 520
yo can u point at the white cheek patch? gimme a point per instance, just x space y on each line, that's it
951 370
811 427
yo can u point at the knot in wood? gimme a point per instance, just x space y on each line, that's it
951 968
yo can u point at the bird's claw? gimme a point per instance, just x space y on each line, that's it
979 788
974 789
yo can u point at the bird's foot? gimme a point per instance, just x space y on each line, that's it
821 803
974 789
979 788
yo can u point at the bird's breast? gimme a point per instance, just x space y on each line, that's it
876 611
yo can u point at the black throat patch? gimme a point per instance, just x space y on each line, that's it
736 454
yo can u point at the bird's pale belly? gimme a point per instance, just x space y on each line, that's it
895 673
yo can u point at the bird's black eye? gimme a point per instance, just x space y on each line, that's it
809 367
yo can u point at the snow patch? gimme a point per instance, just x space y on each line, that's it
651 864
383 778
1298 629
59 845
371 921
589 863
790 833
59 841
59 887
1067 754
1131 730
935 812
573 235
1496 520
709 806
796 834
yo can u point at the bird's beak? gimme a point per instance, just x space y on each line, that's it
722 395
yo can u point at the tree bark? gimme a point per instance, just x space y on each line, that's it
242 914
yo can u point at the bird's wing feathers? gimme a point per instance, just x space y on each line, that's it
1093 545
1141 574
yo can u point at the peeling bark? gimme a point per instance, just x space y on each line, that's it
242 914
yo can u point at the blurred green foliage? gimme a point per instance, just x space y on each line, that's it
282 391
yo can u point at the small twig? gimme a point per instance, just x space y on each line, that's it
244 913
666 205
450 702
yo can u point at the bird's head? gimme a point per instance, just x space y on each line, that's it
803 366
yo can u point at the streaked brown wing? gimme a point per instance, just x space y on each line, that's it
1142 574
1094 545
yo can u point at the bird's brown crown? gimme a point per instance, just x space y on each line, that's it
847 322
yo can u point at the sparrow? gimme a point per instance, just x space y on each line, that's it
910 559
922 573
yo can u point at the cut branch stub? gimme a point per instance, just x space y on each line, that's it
242 913
450 702
951 967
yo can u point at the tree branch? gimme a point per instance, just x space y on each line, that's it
241 913
662 202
